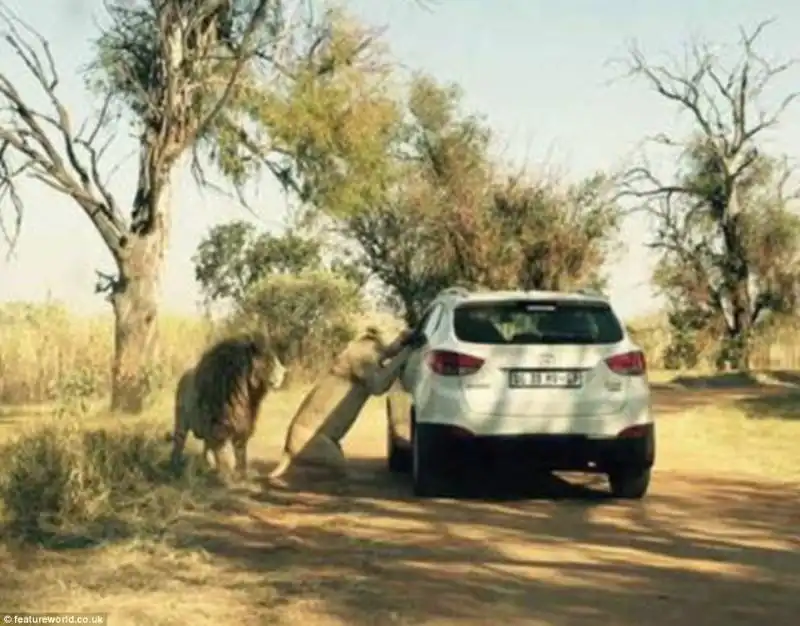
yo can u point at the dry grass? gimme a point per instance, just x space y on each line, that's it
726 440
50 354
741 423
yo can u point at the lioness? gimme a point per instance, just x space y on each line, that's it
334 403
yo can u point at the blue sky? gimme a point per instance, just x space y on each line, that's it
538 71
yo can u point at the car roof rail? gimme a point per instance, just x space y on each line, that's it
454 291
594 293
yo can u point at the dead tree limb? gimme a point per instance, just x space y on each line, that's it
41 142
724 103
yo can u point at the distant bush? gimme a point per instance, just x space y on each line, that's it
309 316
777 348
66 482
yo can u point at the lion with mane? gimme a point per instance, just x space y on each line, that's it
218 400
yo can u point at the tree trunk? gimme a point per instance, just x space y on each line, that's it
742 332
737 274
737 344
739 350
135 302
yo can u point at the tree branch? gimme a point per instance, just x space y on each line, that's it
723 103
243 53
25 141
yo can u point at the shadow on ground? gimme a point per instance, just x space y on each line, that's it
723 380
786 377
784 405
370 478
700 549
773 394
669 398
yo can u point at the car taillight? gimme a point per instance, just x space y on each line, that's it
446 363
628 364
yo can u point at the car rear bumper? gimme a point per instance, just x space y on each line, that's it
634 448
452 410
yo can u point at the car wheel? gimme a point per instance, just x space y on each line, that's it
629 484
426 476
398 460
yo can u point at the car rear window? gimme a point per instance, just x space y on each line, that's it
531 322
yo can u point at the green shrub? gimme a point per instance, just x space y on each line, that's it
309 316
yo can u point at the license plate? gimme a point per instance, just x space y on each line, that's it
522 379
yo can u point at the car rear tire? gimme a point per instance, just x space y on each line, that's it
398 460
629 484
426 476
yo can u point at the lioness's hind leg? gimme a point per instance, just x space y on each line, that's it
324 451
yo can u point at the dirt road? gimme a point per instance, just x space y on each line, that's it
702 549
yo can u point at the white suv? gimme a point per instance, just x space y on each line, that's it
551 375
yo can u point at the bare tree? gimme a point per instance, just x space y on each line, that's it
178 62
704 215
